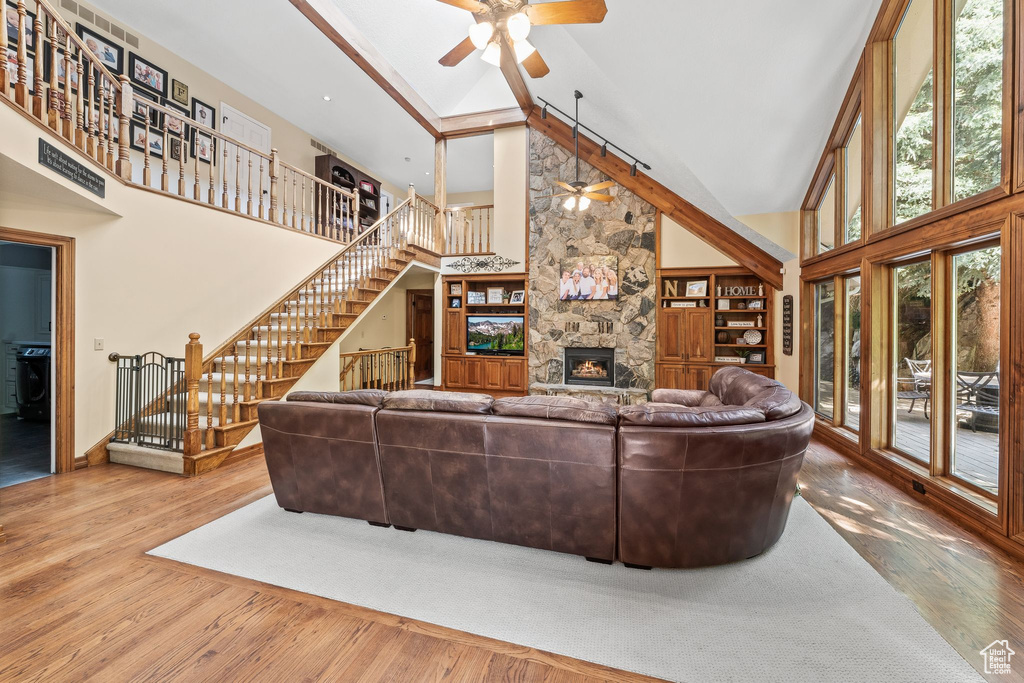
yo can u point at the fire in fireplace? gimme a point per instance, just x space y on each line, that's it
594 367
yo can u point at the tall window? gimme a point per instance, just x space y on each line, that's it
975 356
824 347
827 218
851 414
977 96
853 214
912 360
913 112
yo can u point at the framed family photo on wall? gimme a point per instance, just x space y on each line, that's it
108 53
589 278
146 74
204 114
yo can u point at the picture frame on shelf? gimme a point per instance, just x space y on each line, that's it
11 19
696 288
107 53
455 289
367 186
455 303
495 295
474 297
204 114
756 358
146 74
755 305
518 297
179 92
723 305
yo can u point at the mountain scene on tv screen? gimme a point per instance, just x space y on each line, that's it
496 334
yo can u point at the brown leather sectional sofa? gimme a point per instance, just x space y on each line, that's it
694 478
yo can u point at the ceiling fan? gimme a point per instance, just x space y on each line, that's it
509 21
578 192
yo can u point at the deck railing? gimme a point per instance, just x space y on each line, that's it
387 369
468 230
181 156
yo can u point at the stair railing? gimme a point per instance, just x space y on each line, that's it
181 156
264 357
468 230
389 369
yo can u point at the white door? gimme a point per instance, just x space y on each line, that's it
252 133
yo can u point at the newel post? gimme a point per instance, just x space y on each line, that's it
275 174
193 442
411 380
124 113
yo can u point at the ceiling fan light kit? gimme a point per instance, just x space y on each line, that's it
511 21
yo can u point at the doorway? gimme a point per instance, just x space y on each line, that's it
420 328
242 127
36 344
26 325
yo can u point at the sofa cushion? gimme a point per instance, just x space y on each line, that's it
673 415
735 386
439 401
685 397
365 397
776 403
557 408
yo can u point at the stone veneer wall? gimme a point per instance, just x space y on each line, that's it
624 227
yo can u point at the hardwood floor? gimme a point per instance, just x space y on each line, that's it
79 599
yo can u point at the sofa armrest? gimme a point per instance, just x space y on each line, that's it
692 398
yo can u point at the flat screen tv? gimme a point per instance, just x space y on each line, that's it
497 335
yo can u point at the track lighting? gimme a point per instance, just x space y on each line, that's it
632 169
544 112
604 149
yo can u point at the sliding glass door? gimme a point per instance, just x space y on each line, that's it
824 345
912 360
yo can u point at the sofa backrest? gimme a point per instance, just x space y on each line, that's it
439 401
737 386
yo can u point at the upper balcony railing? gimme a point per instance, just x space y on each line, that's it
107 119
469 230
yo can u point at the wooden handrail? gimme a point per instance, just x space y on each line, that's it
453 209
72 36
390 369
468 229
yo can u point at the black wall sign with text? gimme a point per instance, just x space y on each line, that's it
59 162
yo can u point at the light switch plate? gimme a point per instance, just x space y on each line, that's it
97 344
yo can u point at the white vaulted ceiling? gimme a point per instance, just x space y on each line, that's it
730 102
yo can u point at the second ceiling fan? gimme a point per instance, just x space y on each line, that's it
509 21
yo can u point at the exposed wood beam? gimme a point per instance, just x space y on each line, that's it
704 226
465 125
327 17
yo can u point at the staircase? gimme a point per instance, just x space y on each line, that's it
270 354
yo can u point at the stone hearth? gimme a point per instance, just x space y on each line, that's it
625 228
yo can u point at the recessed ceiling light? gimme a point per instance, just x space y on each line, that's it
327 98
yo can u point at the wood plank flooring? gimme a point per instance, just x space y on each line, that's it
79 599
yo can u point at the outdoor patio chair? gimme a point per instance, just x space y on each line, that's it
977 393
918 385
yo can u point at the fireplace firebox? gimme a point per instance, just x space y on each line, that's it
590 367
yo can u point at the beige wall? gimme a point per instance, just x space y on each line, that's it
149 269
680 248
292 142
483 197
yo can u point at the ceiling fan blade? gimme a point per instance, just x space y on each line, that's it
552 196
536 66
569 12
599 186
458 53
599 197
565 185
470 5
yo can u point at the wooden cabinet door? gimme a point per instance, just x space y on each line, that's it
669 377
669 338
493 374
453 336
474 378
697 335
454 372
514 378
697 377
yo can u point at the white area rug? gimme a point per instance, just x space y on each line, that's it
810 609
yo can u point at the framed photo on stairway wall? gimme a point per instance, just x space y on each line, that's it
144 73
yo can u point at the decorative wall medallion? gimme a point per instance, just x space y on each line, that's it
469 264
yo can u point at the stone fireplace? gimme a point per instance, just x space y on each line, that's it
590 367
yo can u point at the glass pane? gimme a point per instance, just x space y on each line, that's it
854 146
827 218
977 97
913 114
976 367
851 417
824 346
912 362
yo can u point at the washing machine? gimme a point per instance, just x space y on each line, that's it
32 385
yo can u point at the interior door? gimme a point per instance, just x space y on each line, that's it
252 133
421 330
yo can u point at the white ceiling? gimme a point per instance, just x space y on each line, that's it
729 102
